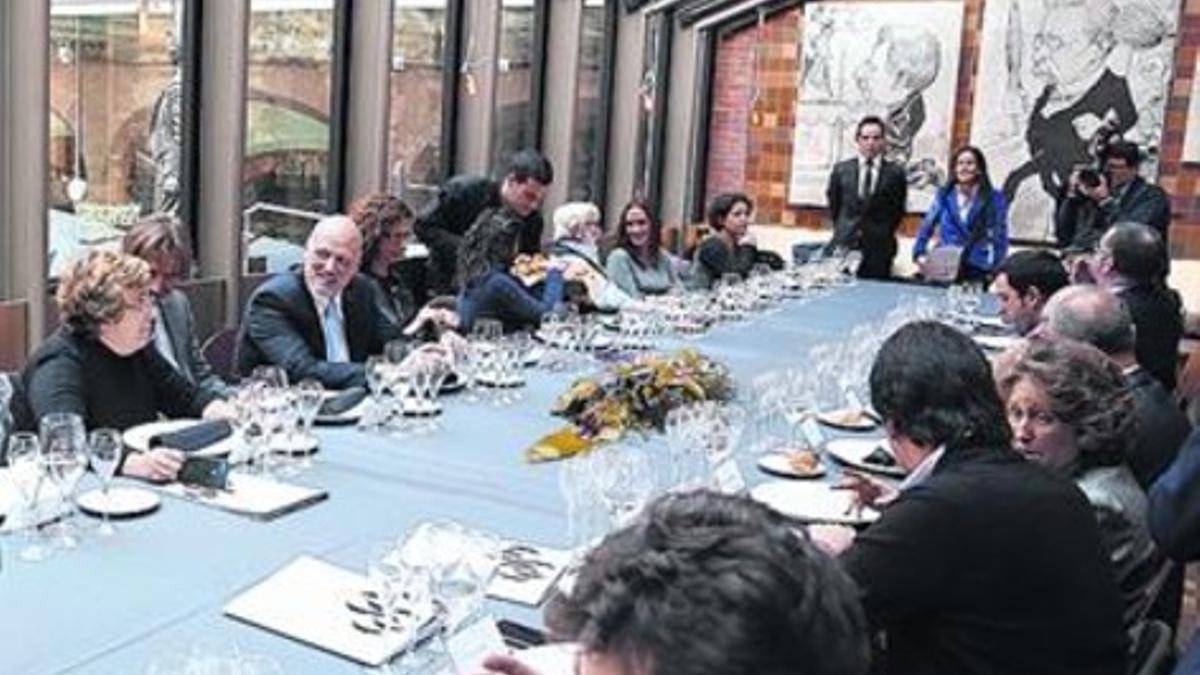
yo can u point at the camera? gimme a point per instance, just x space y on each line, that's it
1089 178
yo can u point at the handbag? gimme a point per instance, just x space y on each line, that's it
948 264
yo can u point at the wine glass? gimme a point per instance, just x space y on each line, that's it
28 472
310 394
64 448
396 351
104 449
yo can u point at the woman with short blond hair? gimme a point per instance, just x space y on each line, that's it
101 365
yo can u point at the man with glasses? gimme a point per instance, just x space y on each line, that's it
1131 263
866 197
321 322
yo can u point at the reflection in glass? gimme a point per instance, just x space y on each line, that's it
587 101
115 133
285 173
415 133
514 81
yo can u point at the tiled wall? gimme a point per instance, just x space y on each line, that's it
770 55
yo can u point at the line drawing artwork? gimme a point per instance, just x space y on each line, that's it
1057 76
895 60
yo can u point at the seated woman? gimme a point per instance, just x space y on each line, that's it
488 289
731 249
385 223
576 235
102 366
638 265
1071 411
969 214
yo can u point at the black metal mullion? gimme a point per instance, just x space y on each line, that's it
662 70
599 177
700 137
339 106
537 72
452 58
189 55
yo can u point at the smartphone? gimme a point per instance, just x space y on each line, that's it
520 636
206 472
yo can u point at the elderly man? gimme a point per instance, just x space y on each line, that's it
1093 315
1131 262
323 321
981 562
463 199
1024 281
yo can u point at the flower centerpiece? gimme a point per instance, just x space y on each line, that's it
634 395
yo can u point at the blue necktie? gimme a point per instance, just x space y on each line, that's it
335 336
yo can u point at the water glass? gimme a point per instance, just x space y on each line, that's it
104 449
28 472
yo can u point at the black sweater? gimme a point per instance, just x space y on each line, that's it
75 373
991 565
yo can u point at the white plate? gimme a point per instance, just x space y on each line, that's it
121 501
349 417
506 383
812 502
996 342
138 438
778 463
853 451
599 343
984 320
864 421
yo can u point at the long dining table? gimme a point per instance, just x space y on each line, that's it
158 586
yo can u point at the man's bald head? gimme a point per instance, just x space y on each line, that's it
1093 315
331 256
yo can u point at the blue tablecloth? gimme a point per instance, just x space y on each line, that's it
159 585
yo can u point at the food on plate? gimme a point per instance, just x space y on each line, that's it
849 418
803 461
530 267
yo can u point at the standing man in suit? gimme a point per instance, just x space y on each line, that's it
460 202
321 322
158 239
866 197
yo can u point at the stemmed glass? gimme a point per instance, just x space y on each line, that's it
274 377
104 449
309 394
376 374
626 481
28 471
64 451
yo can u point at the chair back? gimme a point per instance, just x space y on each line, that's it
220 351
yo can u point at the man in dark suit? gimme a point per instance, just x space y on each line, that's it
460 202
322 322
866 202
158 239
1131 262
1023 284
981 562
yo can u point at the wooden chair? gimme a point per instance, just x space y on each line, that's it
14 334
220 351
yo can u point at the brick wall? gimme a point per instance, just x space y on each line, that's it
765 128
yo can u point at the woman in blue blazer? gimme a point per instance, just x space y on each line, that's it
969 213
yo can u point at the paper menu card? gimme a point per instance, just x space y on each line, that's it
306 601
251 495
527 572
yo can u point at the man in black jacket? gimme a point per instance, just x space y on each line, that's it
320 323
1131 262
866 197
982 562
461 200
1117 195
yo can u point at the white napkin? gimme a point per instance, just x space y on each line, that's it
251 495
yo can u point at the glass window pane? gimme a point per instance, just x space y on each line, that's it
286 170
588 114
415 136
514 81
115 131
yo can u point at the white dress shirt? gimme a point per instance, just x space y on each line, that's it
322 303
